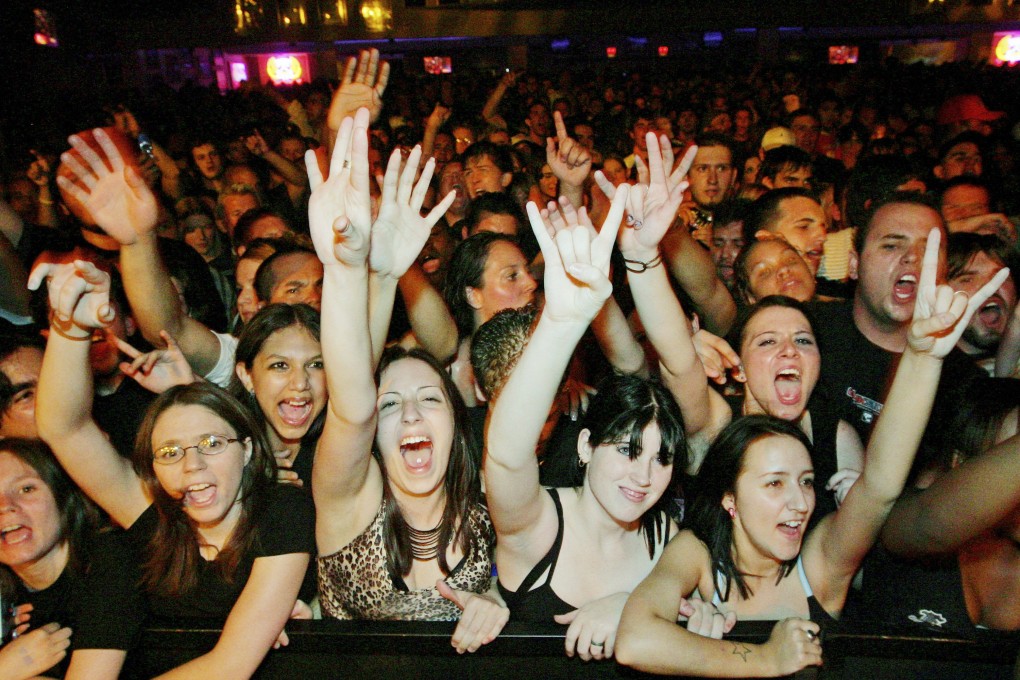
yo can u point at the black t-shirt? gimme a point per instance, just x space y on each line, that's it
103 606
286 526
856 374
120 414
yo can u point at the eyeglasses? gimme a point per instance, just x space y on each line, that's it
209 445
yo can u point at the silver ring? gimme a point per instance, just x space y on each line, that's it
598 644
638 224
630 220
811 634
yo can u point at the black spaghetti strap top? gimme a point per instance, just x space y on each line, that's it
539 604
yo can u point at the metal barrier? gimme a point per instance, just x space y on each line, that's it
376 650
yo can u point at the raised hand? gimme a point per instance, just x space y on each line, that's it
940 313
654 200
400 231
576 257
115 195
440 114
79 294
569 161
362 85
158 370
591 631
256 145
340 207
481 618
717 357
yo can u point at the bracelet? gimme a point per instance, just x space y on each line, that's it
55 327
637 266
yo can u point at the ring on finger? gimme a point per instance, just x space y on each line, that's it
811 634
630 220
598 644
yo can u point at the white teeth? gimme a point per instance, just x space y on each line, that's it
990 305
909 278
792 525
418 439
790 373
10 528
199 487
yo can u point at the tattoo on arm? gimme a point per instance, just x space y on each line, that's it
741 650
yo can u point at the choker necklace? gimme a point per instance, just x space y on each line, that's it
424 544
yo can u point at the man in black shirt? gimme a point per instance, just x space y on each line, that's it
861 339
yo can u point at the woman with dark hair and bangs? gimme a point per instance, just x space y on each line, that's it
79 582
279 373
216 535
401 530
572 555
750 521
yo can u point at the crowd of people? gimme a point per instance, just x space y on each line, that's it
642 355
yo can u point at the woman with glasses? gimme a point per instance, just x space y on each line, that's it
215 535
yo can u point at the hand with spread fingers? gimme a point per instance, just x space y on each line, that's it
940 313
362 85
79 295
481 619
158 370
591 629
400 232
340 207
576 258
115 196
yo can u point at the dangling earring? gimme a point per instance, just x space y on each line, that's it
732 512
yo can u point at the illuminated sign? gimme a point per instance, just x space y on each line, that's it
284 70
843 54
611 52
663 50
1005 49
238 72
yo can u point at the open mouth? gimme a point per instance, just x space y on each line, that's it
430 263
199 495
295 412
633 496
905 289
991 314
13 534
789 388
791 529
417 452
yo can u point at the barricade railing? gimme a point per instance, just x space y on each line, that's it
376 650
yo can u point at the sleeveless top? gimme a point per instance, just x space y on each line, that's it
815 610
541 604
355 583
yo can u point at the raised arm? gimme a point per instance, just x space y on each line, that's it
291 172
835 549
569 161
652 207
361 86
339 215
431 322
490 112
576 287
123 206
79 296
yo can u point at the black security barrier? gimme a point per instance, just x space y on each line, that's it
376 650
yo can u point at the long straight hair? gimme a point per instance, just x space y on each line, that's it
718 476
80 520
461 483
172 558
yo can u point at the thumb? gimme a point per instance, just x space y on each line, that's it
591 276
567 618
449 593
133 179
686 608
39 274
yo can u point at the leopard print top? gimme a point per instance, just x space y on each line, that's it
354 582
